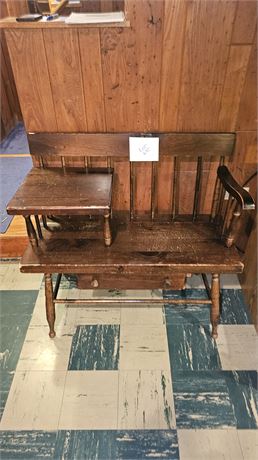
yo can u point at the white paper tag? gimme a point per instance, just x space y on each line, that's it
144 148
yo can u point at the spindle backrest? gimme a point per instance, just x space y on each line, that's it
181 185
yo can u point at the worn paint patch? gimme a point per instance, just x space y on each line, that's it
233 308
243 393
107 445
6 379
202 400
27 444
145 400
191 347
95 347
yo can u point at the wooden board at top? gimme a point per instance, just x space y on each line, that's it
117 144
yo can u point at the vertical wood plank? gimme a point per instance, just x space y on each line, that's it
121 186
17 7
92 79
209 177
7 115
118 86
131 61
165 185
147 20
245 22
3 9
186 185
118 5
8 83
175 196
153 190
245 155
64 65
208 33
106 5
172 56
198 180
247 116
142 201
233 86
92 6
132 189
29 64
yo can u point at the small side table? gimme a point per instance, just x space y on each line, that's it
57 192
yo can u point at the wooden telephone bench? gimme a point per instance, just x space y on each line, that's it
150 251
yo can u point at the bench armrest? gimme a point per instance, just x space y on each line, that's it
231 226
242 196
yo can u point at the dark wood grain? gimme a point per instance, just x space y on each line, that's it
207 39
117 144
231 97
48 191
134 281
62 48
247 116
10 107
77 144
16 7
89 44
27 51
137 248
171 69
245 22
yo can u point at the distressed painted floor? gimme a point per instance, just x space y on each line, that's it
125 383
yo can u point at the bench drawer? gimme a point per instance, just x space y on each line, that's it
130 281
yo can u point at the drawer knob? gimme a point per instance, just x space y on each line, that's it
167 282
94 283
120 269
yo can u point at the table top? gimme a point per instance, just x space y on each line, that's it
55 191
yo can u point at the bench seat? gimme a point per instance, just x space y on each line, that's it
152 248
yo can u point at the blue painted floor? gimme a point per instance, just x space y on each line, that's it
125 383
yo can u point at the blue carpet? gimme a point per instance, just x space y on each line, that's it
12 172
13 169
16 142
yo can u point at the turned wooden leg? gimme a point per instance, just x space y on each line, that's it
215 307
107 230
50 306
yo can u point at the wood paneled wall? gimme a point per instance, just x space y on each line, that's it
182 65
10 108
